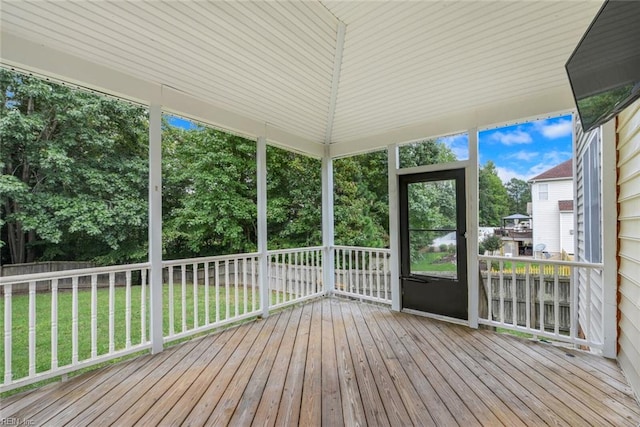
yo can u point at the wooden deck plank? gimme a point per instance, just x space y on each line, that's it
612 386
311 403
177 412
391 399
590 399
223 412
83 398
558 401
49 393
457 374
109 403
440 399
371 400
410 388
248 403
159 399
270 400
331 407
210 398
352 405
339 362
491 364
289 409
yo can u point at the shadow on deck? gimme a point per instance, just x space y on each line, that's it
338 362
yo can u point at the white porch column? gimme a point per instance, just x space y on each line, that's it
155 226
609 240
261 171
328 226
394 228
472 191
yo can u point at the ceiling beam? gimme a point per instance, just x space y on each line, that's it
335 80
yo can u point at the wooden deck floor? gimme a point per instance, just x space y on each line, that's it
335 362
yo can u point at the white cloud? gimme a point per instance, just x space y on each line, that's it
512 138
550 160
458 144
505 174
558 129
523 155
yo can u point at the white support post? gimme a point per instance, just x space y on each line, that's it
263 274
155 226
394 227
472 230
609 239
328 263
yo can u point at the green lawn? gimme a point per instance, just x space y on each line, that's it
20 321
431 262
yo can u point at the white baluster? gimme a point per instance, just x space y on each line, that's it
127 310
54 324
8 349
245 296
32 328
236 286
183 288
556 301
226 286
94 315
207 318
195 295
172 329
74 320
112 311
216 281
143 306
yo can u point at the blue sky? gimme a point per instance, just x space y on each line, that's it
523 150
179 122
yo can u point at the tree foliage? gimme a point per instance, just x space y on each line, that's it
361 202
209 193
294 199
74 173
493 197
519 193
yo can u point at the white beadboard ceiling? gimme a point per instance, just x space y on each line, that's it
280 69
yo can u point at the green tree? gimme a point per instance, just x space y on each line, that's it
74 173
209 193
362 200
519 193
294 199
493 197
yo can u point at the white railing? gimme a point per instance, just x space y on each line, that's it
559 300
67 320
294 275
362 273
205 293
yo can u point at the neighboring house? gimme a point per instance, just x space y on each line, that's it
552 210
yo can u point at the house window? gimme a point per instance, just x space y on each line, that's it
543 191
592 202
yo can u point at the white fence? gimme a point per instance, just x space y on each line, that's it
51 331
541 297
362 273
62 331
205 293
295 275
